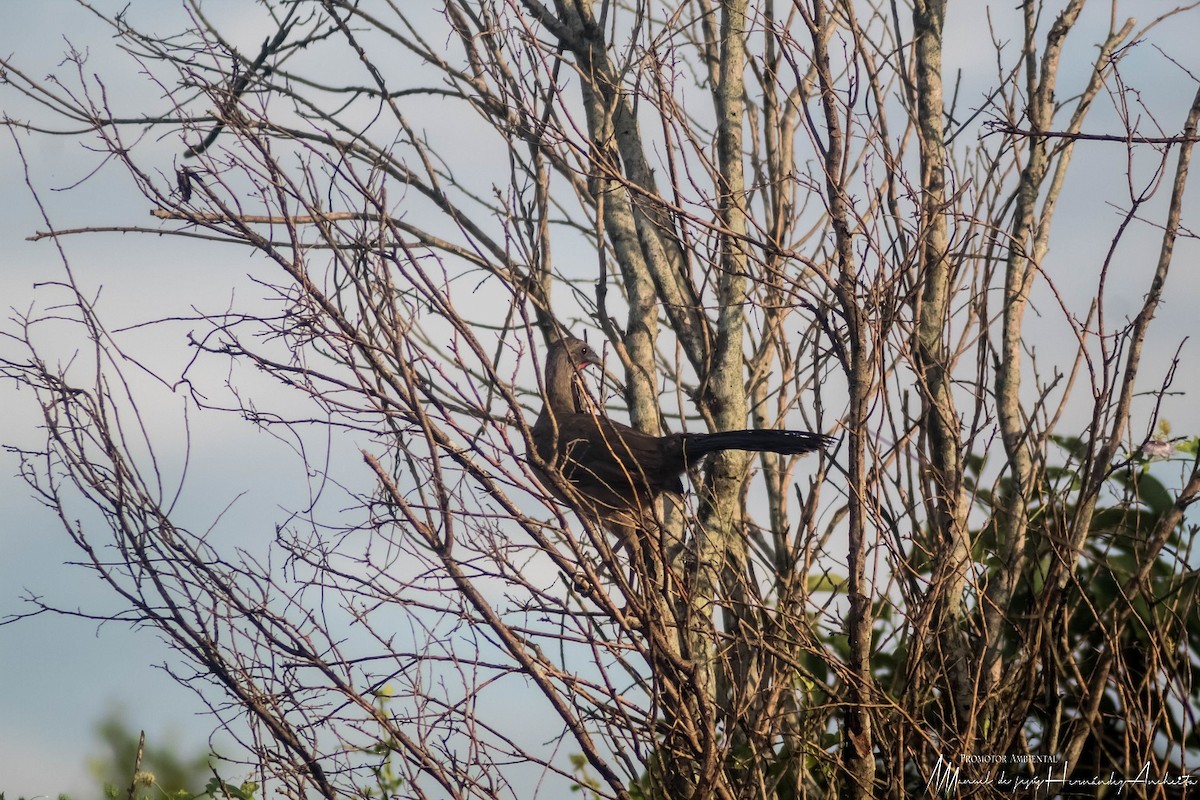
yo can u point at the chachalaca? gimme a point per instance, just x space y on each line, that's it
617 473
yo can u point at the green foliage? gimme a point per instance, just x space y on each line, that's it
164 773
387 782
586 785
1132 590
218 789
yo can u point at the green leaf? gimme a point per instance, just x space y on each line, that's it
825 582
218 788
1072 444
1152 492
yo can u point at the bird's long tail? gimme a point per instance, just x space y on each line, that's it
697 445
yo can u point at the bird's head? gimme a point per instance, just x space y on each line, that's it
579 352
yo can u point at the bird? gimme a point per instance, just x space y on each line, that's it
615 474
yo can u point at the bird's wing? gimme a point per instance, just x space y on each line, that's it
599 452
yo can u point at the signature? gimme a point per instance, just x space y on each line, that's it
947 778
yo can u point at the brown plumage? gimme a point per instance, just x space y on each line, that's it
617 473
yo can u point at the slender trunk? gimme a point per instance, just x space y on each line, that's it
948 514
858 757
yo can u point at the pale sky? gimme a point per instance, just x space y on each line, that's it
59 675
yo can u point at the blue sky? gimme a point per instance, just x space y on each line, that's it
60 675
